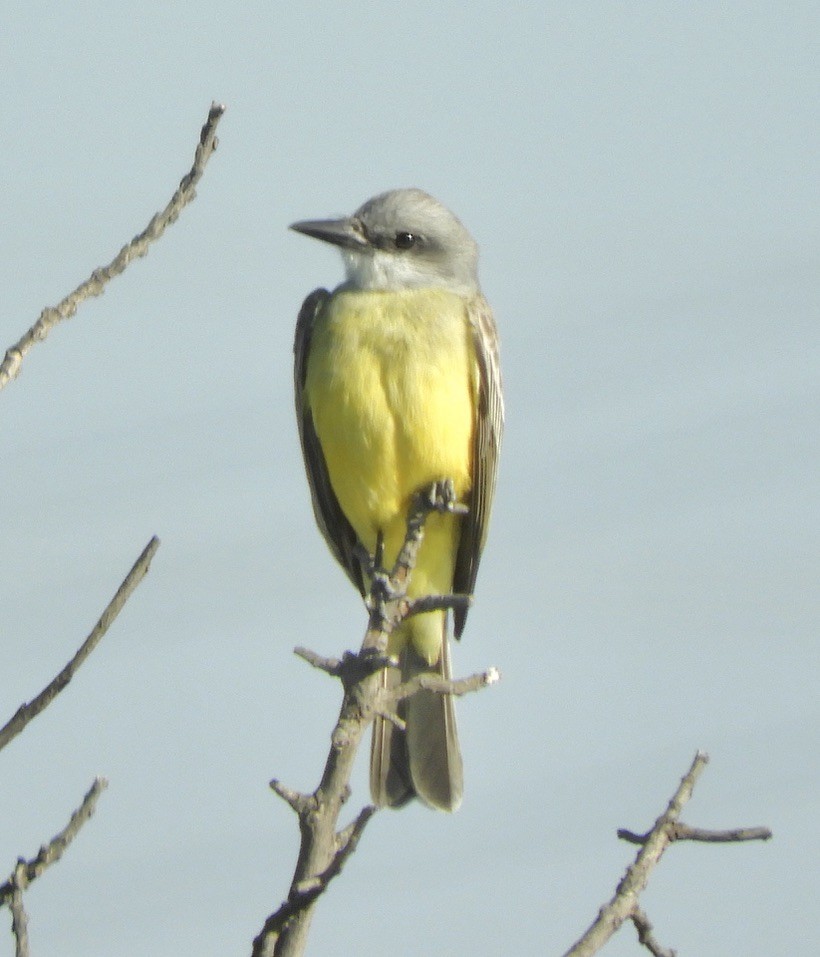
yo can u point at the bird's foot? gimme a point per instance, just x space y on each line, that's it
441 497
383 589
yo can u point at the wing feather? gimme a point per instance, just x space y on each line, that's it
488 428
338 532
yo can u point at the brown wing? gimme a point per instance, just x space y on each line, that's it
489 425
338 532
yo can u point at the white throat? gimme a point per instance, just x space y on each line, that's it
376 269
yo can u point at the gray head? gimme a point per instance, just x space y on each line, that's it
401 240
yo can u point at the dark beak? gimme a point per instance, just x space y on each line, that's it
346 233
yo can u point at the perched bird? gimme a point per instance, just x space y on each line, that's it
398 386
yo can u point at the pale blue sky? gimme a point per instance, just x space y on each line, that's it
642 180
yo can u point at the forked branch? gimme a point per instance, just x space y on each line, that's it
324 847
667 829
26 871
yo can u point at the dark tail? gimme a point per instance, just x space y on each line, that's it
424 760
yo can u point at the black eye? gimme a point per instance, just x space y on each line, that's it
404 240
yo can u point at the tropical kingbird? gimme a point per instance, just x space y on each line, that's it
397 387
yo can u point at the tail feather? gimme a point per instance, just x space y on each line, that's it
424 760
390 784
432 737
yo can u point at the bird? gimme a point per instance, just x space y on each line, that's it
398 386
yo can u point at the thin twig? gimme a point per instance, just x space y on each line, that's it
350 668
439 685
683 832
667 829
646 937
420 606
349 836
625 901
19 917
27 712
346 840
297 801
97 281
309 890
27 871
331 666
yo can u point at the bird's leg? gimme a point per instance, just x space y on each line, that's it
372 564
380 602
364 558
378 554
387 601
382 585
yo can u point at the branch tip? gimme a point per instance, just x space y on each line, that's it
330 666
645 935
27 712
624 904
102 275
389 715
26 871
296 800
353 831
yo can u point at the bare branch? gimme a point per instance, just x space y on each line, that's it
27 712
331 666
683 832
97 281
297 801
350 668
398 723
419 606
324 849
304 894
349 836
19 918
27 871
646 937
455 686
667 829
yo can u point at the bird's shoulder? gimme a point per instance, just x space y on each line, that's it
485 335
308 314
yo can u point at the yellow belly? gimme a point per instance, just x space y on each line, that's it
390 383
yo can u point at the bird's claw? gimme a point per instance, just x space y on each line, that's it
441 497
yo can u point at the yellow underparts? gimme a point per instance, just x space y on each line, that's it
391 383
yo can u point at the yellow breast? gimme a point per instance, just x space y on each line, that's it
390 384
